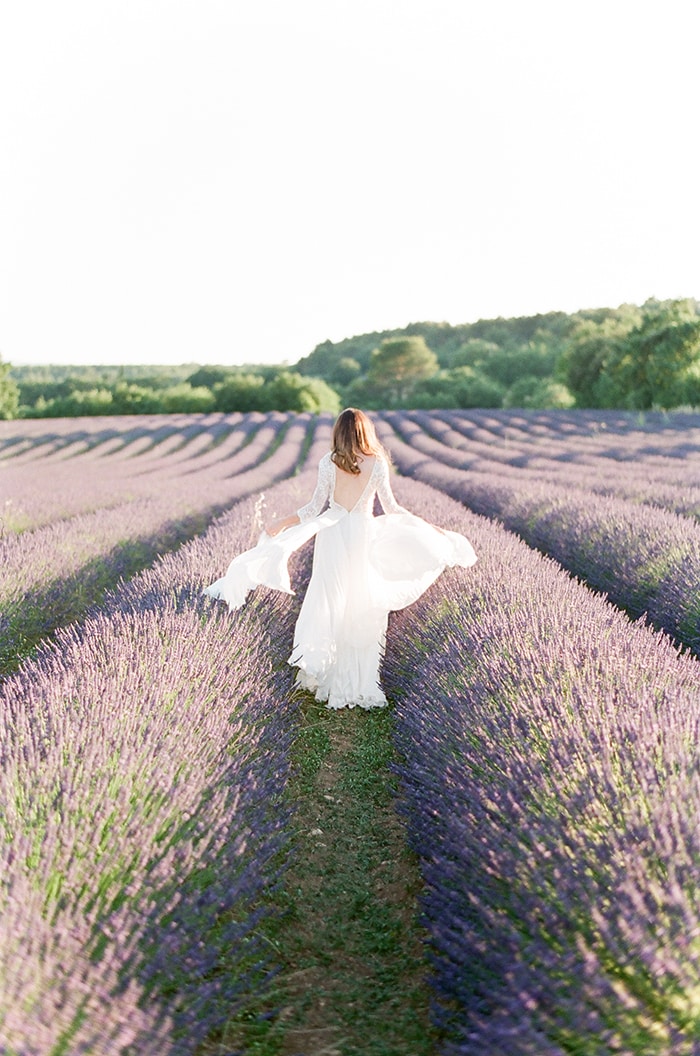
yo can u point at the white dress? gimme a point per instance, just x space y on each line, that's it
363 568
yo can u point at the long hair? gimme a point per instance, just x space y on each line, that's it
353 435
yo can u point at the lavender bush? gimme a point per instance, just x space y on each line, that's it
548 746
144 759
628 470
51 576
75 472
647 560
550 760
576 457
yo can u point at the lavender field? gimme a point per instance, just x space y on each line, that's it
545 721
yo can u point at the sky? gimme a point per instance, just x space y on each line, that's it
214 181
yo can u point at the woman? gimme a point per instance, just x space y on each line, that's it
363 568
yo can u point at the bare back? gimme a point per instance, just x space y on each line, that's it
349 487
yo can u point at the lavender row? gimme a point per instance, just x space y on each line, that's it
672 483
634 476
53 575
74 478
144 761
647 560
583 434
585 437
29 558
549 775
578 456
33 439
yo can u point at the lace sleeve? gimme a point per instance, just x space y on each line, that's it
386 495
322 492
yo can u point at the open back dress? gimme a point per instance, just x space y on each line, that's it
363 568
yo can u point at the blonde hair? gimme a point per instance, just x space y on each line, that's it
353 435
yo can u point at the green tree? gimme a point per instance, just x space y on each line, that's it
584 365
346 371
472 353
398 364
690 388
363 393
75 404
208 376
532 392
508 365
324 360
9 393
435 392
652 367
293 392
129 398
186 399
473 389
241 392
457 388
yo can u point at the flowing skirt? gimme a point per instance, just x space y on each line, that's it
363 568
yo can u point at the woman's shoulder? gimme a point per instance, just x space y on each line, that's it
383 470
325 466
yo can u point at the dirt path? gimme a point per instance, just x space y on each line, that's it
352 956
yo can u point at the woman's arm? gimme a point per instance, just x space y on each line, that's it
386 495
278 525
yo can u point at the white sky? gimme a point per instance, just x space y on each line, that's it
218 181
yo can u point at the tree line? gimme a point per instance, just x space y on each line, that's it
631 357
59 392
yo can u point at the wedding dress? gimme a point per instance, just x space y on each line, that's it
363 568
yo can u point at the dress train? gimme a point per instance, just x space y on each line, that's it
363 568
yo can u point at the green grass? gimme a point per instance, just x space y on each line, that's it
345 930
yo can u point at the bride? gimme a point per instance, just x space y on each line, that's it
363 567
